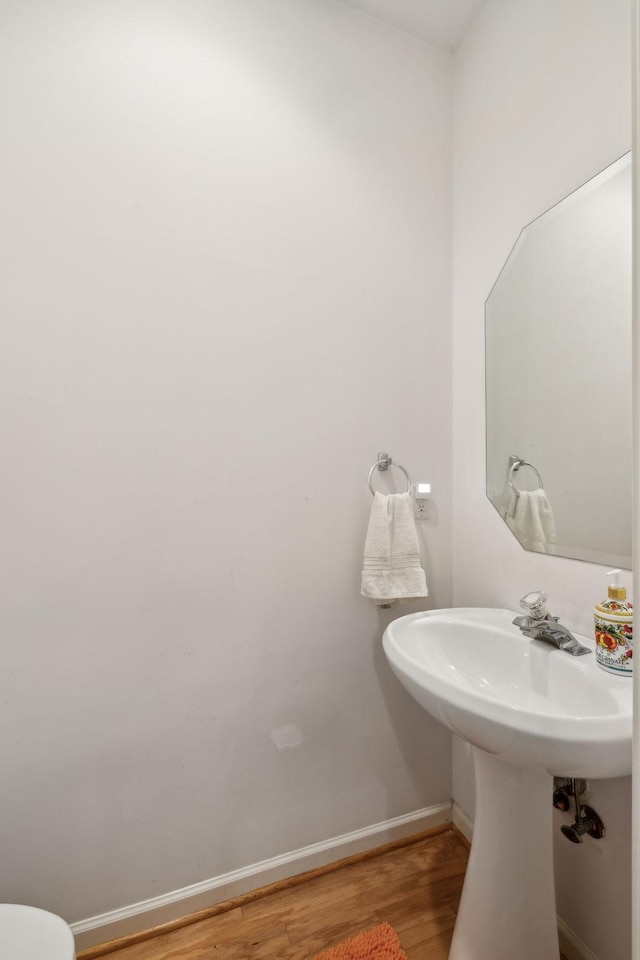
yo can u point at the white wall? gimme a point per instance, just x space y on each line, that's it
541 105
225 287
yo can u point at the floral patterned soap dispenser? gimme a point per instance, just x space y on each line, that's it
614 629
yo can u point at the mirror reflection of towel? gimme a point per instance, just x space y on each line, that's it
531 519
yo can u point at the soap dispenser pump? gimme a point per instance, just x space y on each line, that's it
614 629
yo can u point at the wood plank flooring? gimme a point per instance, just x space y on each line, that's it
415 888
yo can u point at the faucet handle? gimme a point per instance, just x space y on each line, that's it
535 604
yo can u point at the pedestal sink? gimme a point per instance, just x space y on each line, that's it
530 712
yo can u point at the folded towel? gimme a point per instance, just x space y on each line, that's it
531 519
391 569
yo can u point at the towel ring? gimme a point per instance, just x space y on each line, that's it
382 465
515 466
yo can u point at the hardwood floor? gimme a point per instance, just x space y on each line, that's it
415 888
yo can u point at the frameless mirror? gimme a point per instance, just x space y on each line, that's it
558 377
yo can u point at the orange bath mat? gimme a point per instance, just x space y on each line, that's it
380 943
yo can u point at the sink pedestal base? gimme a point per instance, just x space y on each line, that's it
508 906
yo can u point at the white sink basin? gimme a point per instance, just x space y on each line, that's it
530 712
520 699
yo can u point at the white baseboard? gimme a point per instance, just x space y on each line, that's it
462 821
180 903
570 943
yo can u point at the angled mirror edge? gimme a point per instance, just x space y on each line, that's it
620 162
568 552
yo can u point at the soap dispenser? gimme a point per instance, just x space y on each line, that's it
614 629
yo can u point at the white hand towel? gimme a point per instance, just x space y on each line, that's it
391 569
532 521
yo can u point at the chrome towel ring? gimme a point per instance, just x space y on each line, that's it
383 462
516 463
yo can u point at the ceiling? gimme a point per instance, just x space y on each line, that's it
444 23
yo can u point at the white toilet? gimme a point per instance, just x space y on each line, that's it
28 933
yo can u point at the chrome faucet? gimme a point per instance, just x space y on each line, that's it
540 625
